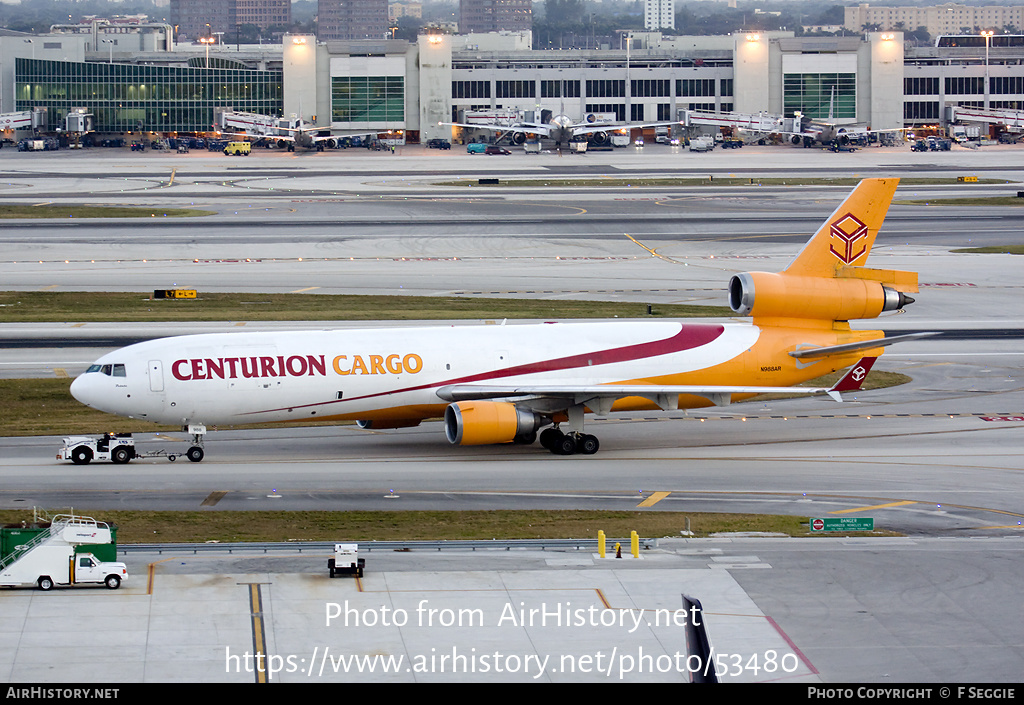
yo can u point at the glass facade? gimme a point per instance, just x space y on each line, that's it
368 99
126 97
816 94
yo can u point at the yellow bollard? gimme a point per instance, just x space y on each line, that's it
634 544
600 543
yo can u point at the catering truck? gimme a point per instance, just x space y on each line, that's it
69 551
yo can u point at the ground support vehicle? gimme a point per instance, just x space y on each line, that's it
346 561
119 448
702 144
51 556
732 143
238 149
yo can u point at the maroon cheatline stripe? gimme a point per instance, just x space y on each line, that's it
690 336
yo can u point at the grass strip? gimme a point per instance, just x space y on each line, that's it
639 182
997 250
128 307
232 526
52 210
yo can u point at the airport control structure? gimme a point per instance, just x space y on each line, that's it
136 80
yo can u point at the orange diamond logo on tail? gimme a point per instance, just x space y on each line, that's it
847 233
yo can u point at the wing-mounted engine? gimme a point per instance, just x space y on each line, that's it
470 423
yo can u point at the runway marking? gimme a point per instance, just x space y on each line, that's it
259 636
60 373
793 646
151 570
212 499
877 506
300 291
173 172
654 499
653 252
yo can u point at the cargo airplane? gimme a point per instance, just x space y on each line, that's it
510 383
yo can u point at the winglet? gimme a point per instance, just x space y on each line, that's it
852 380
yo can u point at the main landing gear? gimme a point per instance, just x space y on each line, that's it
569 443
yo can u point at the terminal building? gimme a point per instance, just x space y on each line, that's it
135 80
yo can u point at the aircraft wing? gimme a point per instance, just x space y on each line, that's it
600 397
524 127
586 128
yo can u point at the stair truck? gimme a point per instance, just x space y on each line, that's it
70 551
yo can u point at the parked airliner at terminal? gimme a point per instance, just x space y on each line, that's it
512 383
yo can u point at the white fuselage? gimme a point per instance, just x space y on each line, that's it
387 373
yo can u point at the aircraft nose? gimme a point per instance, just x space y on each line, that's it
80 390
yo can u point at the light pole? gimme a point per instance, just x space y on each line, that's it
987 34
207 41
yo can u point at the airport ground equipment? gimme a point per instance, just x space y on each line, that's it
702 144
346 561
53 555
119 448
238 149
1012 120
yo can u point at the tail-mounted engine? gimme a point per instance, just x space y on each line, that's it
470 423
781 295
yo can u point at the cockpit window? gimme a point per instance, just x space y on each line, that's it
109 370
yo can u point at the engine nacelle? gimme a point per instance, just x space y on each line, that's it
781 295
796 139
519 138
472 423
599 137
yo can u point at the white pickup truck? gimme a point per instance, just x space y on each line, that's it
50 559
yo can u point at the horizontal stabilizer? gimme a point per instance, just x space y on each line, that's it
853 347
